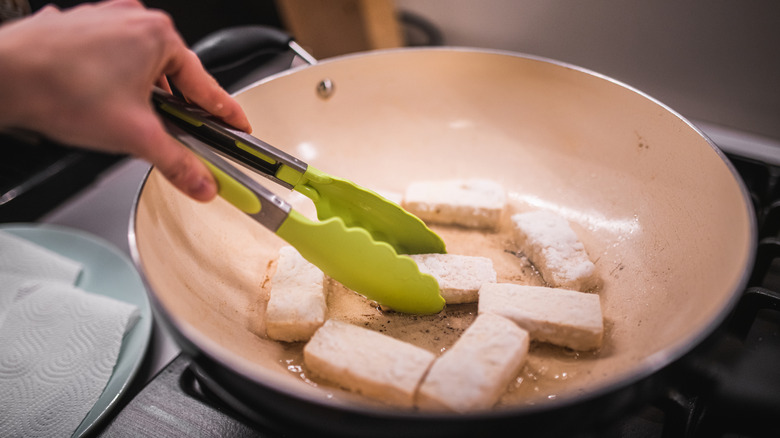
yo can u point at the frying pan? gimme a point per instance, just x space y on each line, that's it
661 212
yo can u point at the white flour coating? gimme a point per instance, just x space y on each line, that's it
459 276
367 362
475 372
558 316
297 304
554 248
473 203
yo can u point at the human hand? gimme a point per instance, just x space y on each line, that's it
83 76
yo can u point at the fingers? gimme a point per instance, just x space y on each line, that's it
183 169
178 63
186 171
48 9
186 71
163 84
181 66
176 163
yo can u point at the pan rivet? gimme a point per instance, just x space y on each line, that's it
325 88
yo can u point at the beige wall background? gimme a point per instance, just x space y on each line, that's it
712 61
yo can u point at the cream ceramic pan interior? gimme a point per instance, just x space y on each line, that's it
660 213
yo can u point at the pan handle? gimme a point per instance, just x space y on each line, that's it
233 53
227 48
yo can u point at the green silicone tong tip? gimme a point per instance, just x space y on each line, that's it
356 260
360 234
385 220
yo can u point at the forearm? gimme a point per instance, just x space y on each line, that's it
17 74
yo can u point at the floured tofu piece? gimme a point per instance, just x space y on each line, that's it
297 304
472 203
367 362
459 276
475 371
559 316
554 248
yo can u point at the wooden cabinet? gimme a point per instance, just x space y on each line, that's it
334 27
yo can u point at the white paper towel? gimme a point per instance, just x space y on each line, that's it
58 343
23 262
25 259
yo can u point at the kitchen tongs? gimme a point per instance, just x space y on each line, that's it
359 236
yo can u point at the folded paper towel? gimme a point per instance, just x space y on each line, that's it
25 259
58 343
22 262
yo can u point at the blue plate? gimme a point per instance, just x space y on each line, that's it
107 272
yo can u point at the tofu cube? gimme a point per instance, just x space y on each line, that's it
297 305
471 203
459 276
559 316
367 362
475 371
554 248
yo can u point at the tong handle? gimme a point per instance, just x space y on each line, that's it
234 186
276 165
